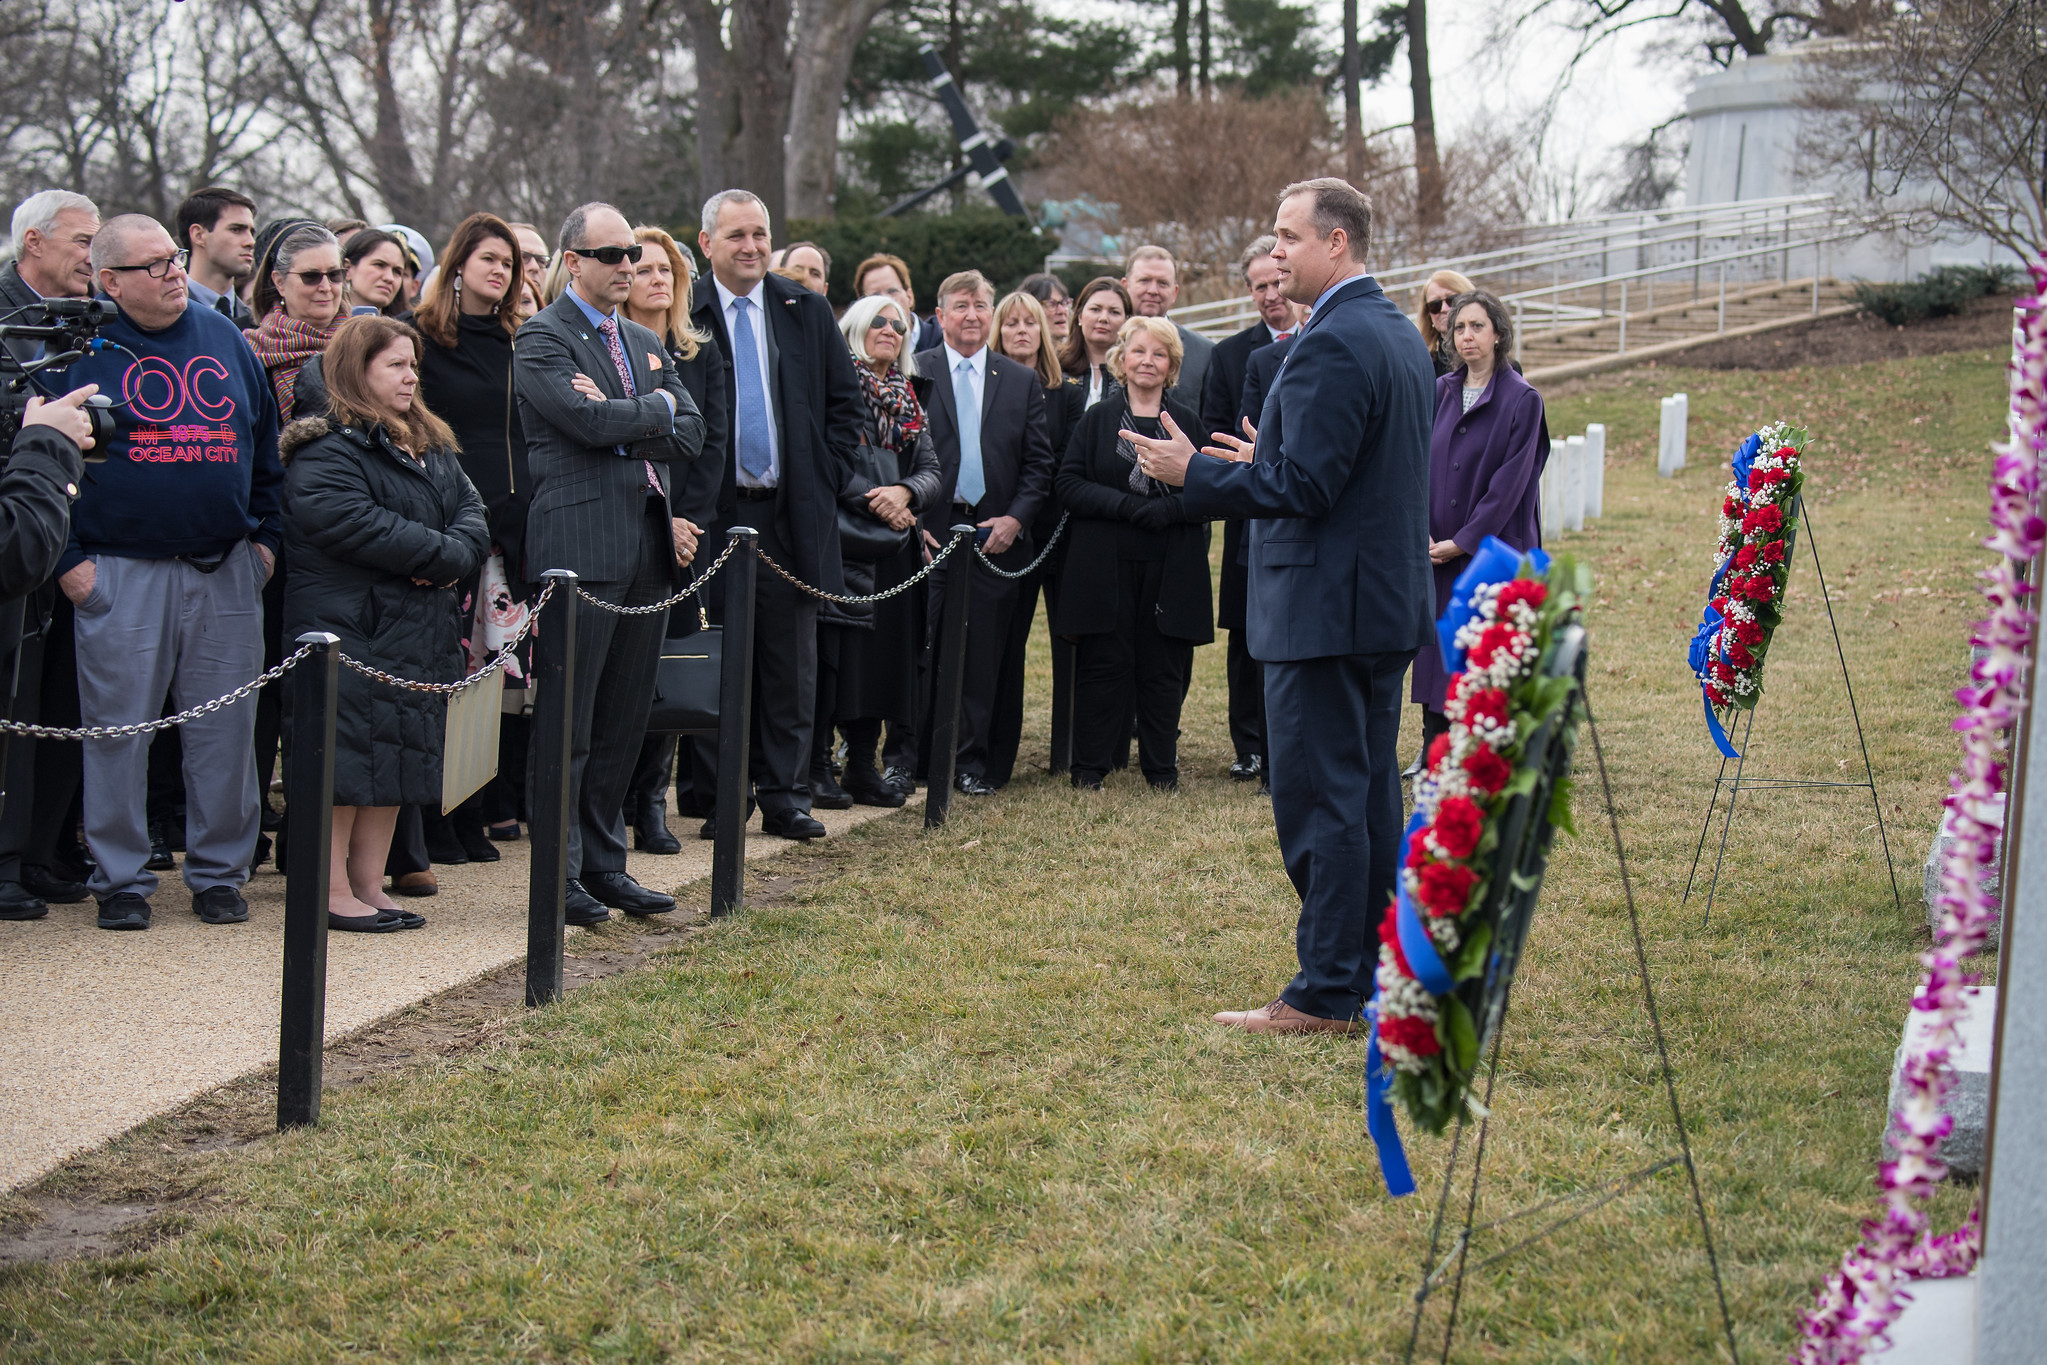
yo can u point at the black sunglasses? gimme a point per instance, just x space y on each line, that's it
881 321
159 268
311 278
1438 305
607 255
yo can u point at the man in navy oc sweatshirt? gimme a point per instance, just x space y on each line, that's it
172 540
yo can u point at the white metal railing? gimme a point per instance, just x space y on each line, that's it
1750 231
1579 256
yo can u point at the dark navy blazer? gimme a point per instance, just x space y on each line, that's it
1339 491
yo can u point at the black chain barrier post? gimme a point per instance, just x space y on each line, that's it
554 673
1062 700
952 668
735 726
309 805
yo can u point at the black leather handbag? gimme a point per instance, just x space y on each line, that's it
687 683
862 535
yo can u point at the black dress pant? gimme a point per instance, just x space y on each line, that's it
616 660
1247 697
1132 666
784 681
41 778
991 689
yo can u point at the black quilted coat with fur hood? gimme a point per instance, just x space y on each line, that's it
362 520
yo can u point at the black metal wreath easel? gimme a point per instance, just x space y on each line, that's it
1525 843
1739 783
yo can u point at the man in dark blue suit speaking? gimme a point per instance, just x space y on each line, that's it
1336 487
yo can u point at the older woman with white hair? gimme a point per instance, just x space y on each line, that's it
867 656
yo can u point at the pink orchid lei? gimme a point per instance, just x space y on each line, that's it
1855 1310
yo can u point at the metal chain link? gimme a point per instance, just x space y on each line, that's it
497 662
147 727
1031 567
663 605
881 596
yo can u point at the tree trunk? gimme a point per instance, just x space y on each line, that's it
398 183
1428 165
1205 50
717 121
827 31
760 55
1183 60
1353 112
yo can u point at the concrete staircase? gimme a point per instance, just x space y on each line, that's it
1669 328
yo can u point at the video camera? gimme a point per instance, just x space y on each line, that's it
68 329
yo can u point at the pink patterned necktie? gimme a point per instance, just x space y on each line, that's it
625 376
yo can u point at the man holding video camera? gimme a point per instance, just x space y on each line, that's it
52 232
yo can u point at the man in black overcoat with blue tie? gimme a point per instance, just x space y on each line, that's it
1341 596
796 414
609 427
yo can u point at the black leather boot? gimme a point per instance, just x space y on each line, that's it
650 825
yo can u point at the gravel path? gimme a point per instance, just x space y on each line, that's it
104 1030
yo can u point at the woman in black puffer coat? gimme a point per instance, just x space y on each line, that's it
380 523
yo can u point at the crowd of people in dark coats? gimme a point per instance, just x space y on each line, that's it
329 426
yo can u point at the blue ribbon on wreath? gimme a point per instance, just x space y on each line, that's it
1495 561
1710 621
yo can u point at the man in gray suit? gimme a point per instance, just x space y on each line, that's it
604 415
1152 278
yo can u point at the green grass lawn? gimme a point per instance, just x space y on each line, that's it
957 1098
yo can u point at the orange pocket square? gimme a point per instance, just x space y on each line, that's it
653 360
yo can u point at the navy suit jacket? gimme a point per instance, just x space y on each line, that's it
1338 494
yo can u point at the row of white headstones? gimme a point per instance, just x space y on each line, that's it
1574 479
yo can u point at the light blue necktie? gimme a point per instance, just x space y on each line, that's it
972 483
756 457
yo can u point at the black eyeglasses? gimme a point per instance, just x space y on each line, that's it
607 255
881 321
158 269
534 258
311 278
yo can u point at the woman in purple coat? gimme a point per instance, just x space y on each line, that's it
1485 466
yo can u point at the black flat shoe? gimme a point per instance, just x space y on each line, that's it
46 885
408 920
220 905
650 829
124 910
160 859
383 922
443 848
18 902
868 789
827 794
507 833
793 824
581 908
479 849
619 891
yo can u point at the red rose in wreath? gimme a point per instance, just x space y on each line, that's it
1415 1035
1486 770
1487 704
1767 519
1458 824
1446 887
1522 590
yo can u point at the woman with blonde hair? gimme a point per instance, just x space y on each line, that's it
380 524
660 301
1432 317
1025 332
1134 587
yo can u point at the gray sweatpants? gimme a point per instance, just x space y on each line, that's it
148 627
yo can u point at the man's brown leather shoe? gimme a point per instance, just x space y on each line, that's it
1280 1017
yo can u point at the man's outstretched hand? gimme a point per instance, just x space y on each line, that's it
1165 460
